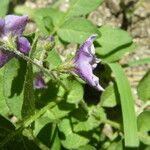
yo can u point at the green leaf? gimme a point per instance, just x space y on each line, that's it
144 87
119 53
83 7
6 127
111 39
87 147
137 62
4 7
116 145
29 99
69 139
19 142
144 127
76 30
76 92
113 42
14 75
47 132
40 123
54 14
56 144
48 22
3 105
28 92
108 97
83 122
127 104
43 17
54 59
44 24
61 110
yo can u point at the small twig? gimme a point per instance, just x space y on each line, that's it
112 123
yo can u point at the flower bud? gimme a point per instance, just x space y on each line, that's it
23 45
39 82
47 43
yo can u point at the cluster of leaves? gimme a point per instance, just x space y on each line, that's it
54 118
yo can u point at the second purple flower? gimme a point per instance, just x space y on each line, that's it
85 61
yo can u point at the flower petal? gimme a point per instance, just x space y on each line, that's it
23 45
85 72
15 24
86 51
5 56
88 46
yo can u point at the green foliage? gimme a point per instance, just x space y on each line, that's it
76 30
59 111
28 99
6 127
108 98
116 146
144 87
83 7
69 139
69 29
137 62
113 43
75 87
83 122
129 118
47 19
4 108
53 59
4 7
14 75
144 127
87 147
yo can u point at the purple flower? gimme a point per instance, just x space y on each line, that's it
39 82
85 61
12 26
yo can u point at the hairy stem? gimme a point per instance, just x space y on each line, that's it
46 71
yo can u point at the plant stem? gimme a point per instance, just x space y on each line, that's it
46 71
84 105
112 123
